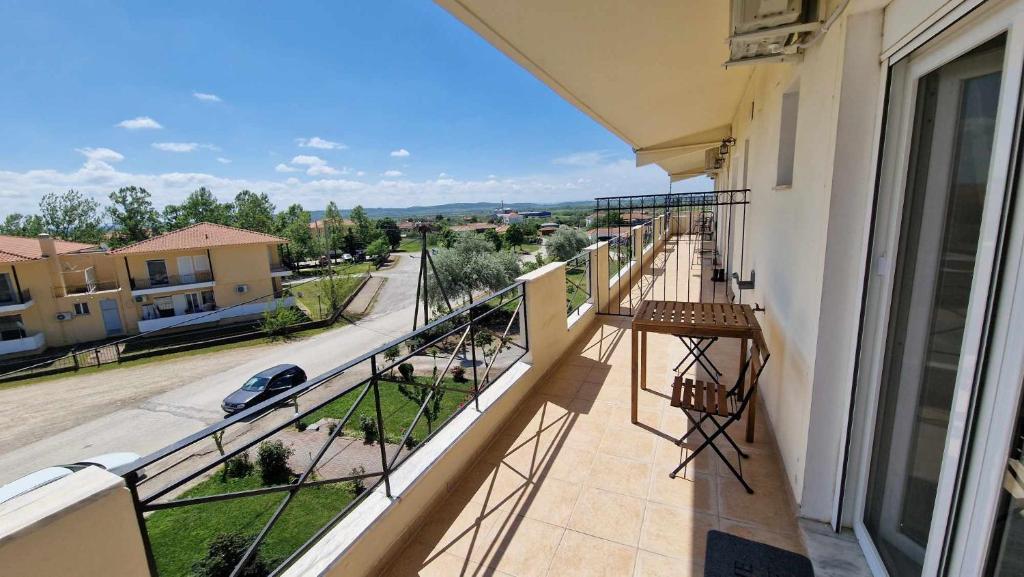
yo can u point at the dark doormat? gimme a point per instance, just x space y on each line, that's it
732 556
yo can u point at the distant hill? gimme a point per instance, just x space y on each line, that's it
459 209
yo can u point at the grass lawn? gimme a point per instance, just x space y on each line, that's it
341 268
530 247
576 277
181 536
398 410
313 294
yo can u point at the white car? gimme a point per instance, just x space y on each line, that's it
346 257
33 481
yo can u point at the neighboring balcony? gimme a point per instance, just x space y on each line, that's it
172 283
87 288
16 342
193 317
279 270
18 302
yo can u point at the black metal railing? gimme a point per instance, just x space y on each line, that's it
80 289
577 282
320 447
172 280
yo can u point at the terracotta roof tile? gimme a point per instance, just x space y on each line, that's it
201 235
19 248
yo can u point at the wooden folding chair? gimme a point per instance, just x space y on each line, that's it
714 403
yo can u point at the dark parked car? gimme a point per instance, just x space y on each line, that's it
262 386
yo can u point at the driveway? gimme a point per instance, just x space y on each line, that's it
144 408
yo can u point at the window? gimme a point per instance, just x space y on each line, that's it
11 328
157 272
81 308
7 295
787 137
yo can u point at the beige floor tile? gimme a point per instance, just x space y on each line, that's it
522 547
619 475
769 507
418 561
490 485
608 515
581 555
550 501
630 442
668 456
676 532
694 491
456 530
791 542
567 463
653 565
582 432
561 387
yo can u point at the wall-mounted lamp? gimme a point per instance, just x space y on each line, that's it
727 143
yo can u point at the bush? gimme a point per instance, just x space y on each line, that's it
237 467
459 374
369 428
411 442
300 426
357 486
406 370
277 321
225 551
273 459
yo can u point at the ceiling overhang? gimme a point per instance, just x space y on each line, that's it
651 73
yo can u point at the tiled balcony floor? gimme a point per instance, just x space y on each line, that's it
571 487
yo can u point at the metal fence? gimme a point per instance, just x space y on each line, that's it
577 282
335 437
169 280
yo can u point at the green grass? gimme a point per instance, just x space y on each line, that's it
340 269
530 247
576 276
313 294
398 410
181 536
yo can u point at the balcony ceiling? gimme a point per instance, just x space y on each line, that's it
650 72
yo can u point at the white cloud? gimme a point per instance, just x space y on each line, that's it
400 153
321 170
223 160
100 154
206 97
491 177
360 173
322 144
285 168
308 160
443 175
182 146
393 173
139 123
314 166
584 159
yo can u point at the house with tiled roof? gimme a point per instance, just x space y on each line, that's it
200 274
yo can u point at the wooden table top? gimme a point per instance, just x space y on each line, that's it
697 319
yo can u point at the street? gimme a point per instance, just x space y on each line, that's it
146 407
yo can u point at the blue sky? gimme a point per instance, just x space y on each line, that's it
378 103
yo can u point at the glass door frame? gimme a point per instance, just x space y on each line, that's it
970 32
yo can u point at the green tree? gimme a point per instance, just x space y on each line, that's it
471 266
566 243
132 214
389 227
494 238
515 235
293 224
417 393
17 224
364 226
254 212
349 242
200 206
334 228
71 216
379 250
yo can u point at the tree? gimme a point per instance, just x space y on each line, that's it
566 243
417 393
132 213
293 224
17 224
363 224
224 552
494 238
389 227
470 266
349 242
334 228
515 235
379 250
254 212
71 216
200 206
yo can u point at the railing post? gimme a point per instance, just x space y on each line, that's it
131 480
381 436
472 348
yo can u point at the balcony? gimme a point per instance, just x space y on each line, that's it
172 283
279 270
12 344
214 314
87 288
18 302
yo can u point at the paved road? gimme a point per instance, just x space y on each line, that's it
144 408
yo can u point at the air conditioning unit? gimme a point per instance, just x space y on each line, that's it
769 29
64 316
140 298
242 289
712 160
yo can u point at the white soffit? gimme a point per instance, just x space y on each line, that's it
651 72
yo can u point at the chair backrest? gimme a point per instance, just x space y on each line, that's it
753 365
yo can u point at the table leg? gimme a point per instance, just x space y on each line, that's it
633 377
643 360
752 406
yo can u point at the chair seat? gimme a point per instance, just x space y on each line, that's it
701 396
